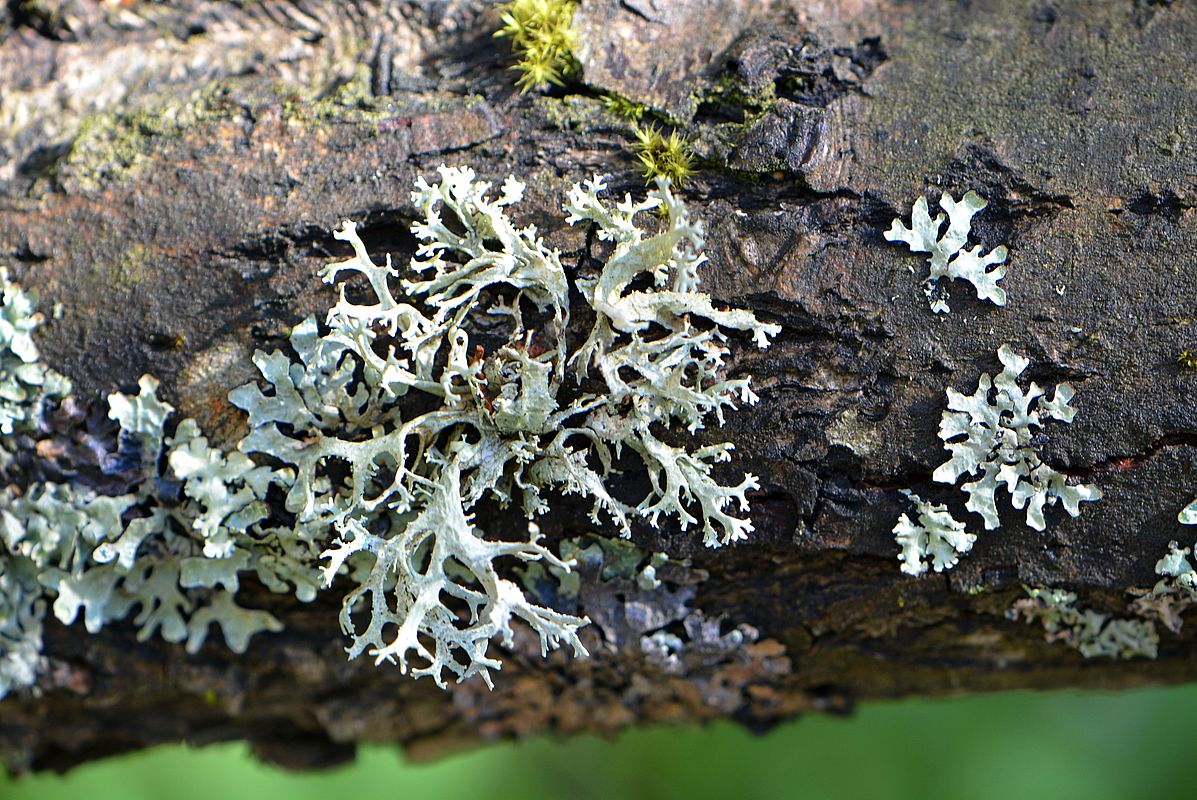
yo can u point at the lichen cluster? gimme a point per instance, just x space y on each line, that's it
74 551
515 415
26 384
383 430
990 434
1090 632
992 431
1174 592
171 549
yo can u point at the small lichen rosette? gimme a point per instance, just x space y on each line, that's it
933 535
388 487
949 258
991 432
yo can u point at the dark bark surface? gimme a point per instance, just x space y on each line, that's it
171 175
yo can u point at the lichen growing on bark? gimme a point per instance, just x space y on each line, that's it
385 496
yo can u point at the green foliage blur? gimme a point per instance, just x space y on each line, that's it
1001 746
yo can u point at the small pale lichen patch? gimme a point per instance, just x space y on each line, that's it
1188 514
1091 633
991 432
948 256
936 534
26 384
1174 592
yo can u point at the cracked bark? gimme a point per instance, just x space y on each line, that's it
171 175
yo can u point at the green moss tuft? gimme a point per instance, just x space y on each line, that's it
541 36
664 156
623 107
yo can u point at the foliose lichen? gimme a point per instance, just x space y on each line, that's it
27 385
1188 514
81 553
992 431
1090 632
948 258
936 534
1174 592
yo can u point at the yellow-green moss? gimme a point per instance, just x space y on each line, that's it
660 155
623 107
543 39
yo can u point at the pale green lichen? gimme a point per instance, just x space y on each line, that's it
610 558
385 497
22 609
936 534
26 384
104 556
992 431
510 418
1091 633
949 259
79 553
1174 592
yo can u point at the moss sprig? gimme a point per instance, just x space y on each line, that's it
664 156
542 36
623 107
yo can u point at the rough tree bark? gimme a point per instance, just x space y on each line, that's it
170 174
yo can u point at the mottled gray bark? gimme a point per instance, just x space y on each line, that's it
171 174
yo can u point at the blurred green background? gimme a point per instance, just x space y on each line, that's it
1014 745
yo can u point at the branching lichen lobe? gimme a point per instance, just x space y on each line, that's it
512 422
